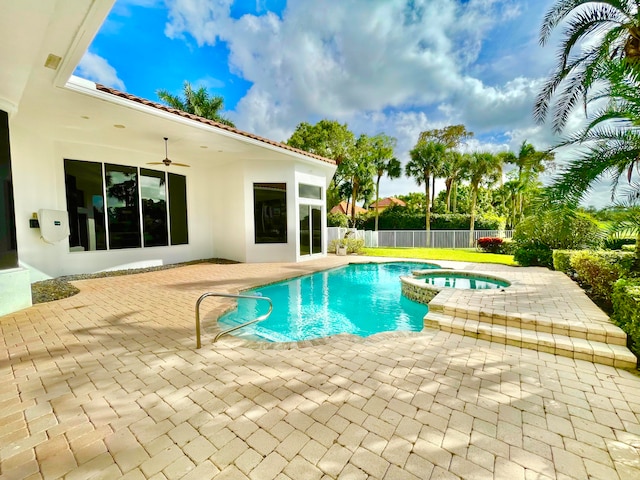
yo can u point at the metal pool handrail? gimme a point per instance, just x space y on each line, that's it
232 329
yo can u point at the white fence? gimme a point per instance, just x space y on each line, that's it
416 238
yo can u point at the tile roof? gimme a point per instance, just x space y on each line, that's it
206 121
342 208
387 202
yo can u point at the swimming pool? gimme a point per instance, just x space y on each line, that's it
361 299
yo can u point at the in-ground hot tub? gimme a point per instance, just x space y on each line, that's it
423 285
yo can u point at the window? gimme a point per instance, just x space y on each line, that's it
178 209
8 241
309 191
123 210
153 193
137 203
270 212
85 205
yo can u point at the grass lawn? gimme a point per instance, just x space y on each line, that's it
456 254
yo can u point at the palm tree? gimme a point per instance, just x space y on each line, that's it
453 172
481 167
359 168
610 29
426 158
530 164
384 162
197 102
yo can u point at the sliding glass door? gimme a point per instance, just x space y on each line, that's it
310 229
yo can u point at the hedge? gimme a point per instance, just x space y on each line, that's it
601 269
402 219
626 310
562 261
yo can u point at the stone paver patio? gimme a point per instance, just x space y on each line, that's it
107 384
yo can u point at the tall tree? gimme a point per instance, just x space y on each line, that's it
385 163
453 172
330 139
481 167
594 33
451 137
197 102
359 169
530 163
426 157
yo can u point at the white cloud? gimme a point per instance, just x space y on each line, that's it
398 67
94 67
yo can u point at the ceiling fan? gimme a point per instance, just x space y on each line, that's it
167 162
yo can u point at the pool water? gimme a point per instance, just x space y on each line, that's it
361 299
453 280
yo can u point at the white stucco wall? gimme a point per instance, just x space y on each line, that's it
39 182
227 209
269 172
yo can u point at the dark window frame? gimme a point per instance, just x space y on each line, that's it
270 213
181 218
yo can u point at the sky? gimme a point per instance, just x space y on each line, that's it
397 67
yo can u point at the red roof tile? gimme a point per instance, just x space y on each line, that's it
206 121
387 202
342 208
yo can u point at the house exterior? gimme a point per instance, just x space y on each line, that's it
385 203
85 161
346 209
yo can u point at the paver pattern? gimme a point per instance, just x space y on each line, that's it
107 384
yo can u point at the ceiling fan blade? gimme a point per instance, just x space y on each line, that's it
180 164
154 163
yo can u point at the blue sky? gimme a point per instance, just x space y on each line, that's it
392 66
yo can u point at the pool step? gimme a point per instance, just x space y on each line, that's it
596 331
581 348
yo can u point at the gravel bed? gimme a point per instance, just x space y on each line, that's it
58 288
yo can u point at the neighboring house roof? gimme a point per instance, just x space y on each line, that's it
206 121
387 202
342 208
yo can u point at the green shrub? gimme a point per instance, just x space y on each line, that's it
562 261
626 310
533 254
538 235
354 245
508 247
601 269
617 243
628 248
337 220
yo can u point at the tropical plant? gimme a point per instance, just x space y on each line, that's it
599 31
629 224
426 157
481 167
385 163
329 139
453 172
359 168
197 102
524 184
451 136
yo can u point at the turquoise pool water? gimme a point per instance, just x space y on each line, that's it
361 299
453 280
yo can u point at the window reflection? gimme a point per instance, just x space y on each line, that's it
270 212
153 192
85 204
122 206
